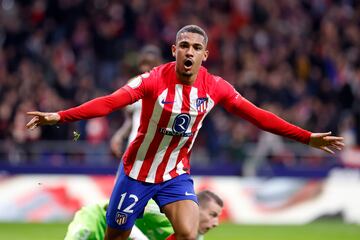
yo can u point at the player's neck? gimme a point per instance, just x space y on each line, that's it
186 80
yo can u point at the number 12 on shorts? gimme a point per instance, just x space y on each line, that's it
127 209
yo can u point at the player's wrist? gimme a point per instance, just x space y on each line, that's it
56 117
60 116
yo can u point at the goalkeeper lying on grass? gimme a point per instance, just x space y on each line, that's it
89 222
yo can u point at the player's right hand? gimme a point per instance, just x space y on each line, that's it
42 118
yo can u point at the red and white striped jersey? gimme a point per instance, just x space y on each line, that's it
171 117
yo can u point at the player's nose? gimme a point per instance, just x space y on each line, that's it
215 223
190 52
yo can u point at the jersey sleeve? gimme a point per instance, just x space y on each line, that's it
224 92
142 85
137 88
266 120
97 107
234 103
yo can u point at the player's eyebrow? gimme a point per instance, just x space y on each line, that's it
198 45
183 42
195 45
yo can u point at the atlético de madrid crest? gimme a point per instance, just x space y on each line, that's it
202 104
120 218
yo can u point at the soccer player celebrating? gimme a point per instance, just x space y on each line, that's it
89 222
176 97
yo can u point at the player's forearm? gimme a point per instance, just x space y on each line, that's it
274 124
97 107
268 121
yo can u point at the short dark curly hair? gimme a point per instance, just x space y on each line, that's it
192 29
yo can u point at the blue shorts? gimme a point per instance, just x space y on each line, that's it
130 196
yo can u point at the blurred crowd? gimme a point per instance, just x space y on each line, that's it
297 58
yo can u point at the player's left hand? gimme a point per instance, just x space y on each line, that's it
326 142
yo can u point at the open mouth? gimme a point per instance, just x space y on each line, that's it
188 64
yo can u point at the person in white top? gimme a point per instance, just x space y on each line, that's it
150 56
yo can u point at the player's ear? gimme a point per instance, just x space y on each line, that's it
173 50
206 54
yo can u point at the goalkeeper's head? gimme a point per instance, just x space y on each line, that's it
210 206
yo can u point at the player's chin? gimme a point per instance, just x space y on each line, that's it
187 73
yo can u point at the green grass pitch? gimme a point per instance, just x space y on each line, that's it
321 230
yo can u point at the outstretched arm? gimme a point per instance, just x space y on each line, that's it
97 107
274 124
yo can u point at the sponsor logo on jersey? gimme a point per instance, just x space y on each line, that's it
181 123
179 127
202 104
120 218
172 133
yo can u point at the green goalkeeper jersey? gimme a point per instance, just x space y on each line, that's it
154 224
89 223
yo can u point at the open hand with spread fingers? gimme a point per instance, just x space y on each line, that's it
326 142
42 118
